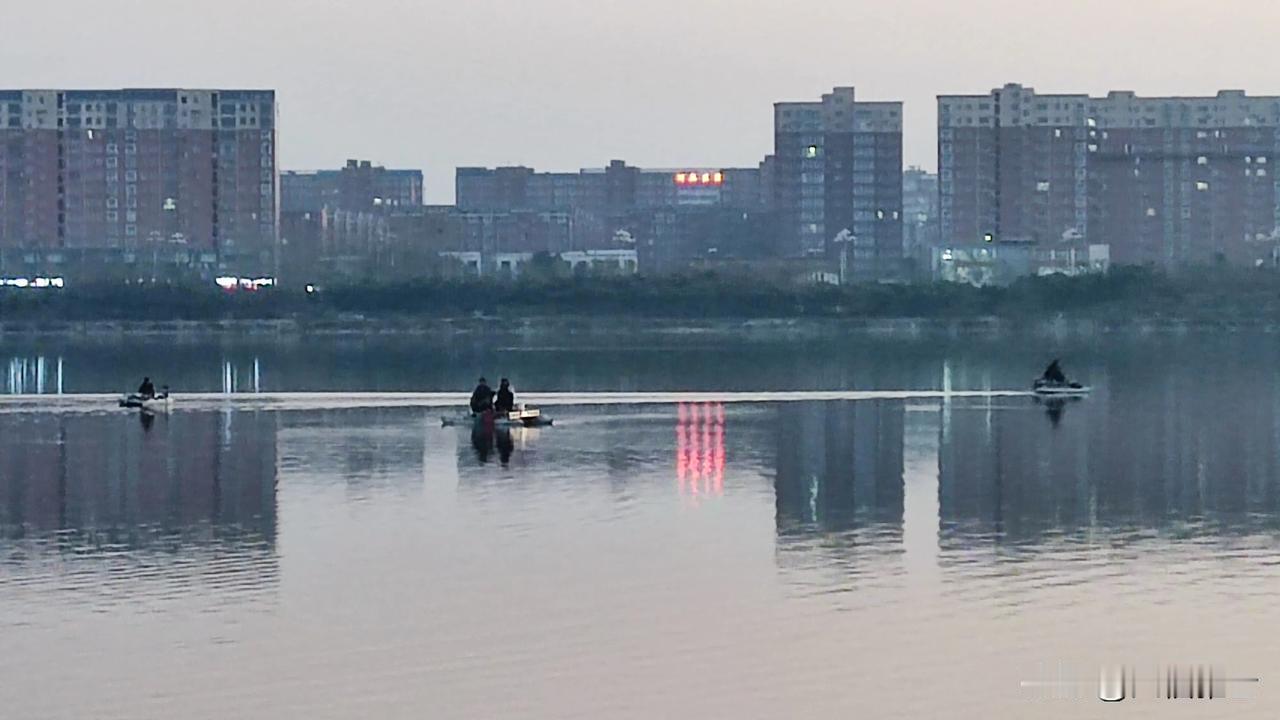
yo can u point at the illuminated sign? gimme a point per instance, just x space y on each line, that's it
39 283
699 178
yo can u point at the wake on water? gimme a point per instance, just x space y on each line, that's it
100 402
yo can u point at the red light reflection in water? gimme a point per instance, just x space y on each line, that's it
700 449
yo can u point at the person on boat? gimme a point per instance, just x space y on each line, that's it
1053 374
147 390
482 398
506 401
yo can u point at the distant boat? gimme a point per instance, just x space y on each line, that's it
1049 388
159 403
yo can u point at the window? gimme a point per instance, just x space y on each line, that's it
1151 212
1262 160
1260 172
113 162
811 151
112 216
1202 160
1202 185
113 202
1042 186
1057 132
131 230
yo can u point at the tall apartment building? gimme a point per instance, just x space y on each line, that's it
837 167
1170 180
189 172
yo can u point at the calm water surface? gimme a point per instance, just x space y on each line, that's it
882 558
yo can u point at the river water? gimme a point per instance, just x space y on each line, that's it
924 550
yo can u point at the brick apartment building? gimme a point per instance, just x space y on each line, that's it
1169 181
96 179
837 167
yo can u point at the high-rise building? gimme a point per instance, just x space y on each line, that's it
1171 180
187 178
836 175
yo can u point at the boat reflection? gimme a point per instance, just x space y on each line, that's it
485 440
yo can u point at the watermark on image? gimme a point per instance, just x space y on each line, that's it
1134 683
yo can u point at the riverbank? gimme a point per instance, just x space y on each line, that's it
632 329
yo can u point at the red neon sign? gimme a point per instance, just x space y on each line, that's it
696 178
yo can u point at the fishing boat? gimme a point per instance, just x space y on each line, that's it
1047 388
159 403
523 417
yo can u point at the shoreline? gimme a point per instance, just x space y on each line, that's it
624 327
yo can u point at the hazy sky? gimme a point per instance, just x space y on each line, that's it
563 84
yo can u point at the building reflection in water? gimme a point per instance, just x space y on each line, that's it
172 489
1162 458
839 464
700 457
1155 456
34 375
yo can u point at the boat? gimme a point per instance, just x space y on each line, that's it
524 417
1046 388
159 403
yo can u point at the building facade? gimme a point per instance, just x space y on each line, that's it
185 178
360 186
1168 181
668 217
919 212
836 178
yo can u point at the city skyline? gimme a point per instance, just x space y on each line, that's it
439 85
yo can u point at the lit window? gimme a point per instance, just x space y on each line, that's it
879 214
1262 160
1042 186
1202 160
989 237
1093 122
1151 212
1202 185
719 178
811 151
1248 159
1093 147
1260 172
680 178
1057 132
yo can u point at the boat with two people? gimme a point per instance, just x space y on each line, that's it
490 408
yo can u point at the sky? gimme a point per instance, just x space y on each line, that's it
564 84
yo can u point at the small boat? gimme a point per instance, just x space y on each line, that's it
1046 388
524 417
159 403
